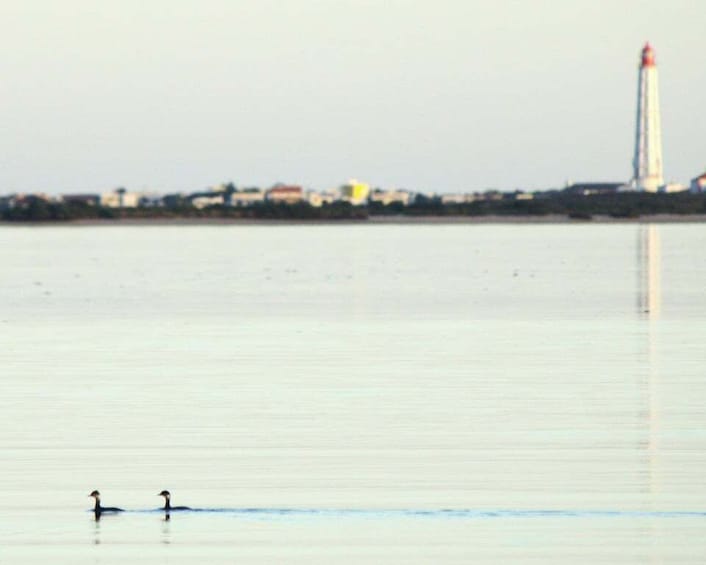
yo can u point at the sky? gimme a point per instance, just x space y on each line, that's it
427 95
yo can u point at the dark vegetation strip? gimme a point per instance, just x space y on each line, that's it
620 205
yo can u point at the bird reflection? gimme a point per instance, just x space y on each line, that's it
166 530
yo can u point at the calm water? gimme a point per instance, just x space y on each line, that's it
354 394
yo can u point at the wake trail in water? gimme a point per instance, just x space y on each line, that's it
434 514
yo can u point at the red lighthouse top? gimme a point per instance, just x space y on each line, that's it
648 56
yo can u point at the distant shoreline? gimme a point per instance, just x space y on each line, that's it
372 220
548 219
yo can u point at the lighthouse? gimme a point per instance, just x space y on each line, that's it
647 163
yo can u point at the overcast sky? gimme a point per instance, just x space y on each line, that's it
440 95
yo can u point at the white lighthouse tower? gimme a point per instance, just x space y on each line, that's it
647 163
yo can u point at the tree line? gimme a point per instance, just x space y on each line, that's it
579 207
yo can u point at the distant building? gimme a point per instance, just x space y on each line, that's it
673 187
386 197
318 199
355 192
589 188
151 200
120 199
493 195
247 197
206 200
88 199
457 198
698 184
285 194
175 200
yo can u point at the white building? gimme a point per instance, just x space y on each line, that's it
458 198
673 187
204 201
318 199
247 197
120 199
386 197
647 162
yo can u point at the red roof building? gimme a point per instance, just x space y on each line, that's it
287 194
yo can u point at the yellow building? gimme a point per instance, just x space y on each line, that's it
355 192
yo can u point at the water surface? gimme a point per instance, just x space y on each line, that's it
399 393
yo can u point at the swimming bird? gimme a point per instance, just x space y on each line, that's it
98 509
167 504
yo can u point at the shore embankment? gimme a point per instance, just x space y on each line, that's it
372 220
548 219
